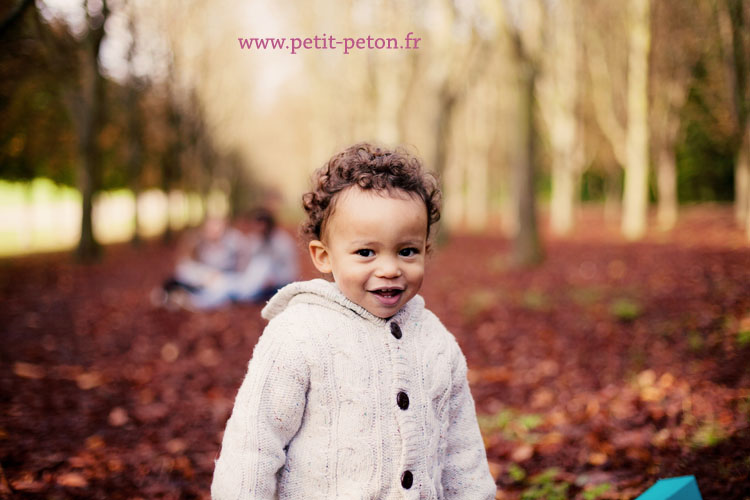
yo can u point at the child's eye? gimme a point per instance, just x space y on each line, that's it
408 252
365 252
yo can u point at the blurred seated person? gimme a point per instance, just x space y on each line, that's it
270 262
203 257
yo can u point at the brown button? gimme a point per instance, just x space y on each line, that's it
407 480
402 400
395 330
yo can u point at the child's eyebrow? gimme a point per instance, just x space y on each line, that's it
415 242
364 243
371 243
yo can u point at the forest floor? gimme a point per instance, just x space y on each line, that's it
610 365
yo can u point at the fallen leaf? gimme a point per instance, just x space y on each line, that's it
522 453
646 378
183 465
661 438
597 458
170 352
638 453
176 446
495 469
94 442
114 465
72 480
209 357
118 417
28 370
27 485
89 380
151 412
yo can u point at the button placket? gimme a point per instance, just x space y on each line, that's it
402 400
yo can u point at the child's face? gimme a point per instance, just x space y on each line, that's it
374 245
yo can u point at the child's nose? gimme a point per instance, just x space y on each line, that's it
388 268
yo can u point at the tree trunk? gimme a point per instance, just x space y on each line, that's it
558 99
447 103
452 176
527 250
89 170
741 187
479 133
170 166
666 181
732 24
742 181
635 194
135 157
665 128
612 194
564 197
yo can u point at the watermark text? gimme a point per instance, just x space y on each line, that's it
329 42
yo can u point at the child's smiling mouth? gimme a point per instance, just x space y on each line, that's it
388 296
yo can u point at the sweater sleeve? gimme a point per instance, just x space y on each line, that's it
466 473
267 414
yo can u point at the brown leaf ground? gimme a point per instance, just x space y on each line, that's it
609 366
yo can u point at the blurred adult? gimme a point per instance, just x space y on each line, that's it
203 257
269 262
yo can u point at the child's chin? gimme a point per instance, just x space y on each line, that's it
385 311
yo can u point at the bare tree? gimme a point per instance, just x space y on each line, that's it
635 192
629 137
524 32
558 90
85 99
734 27
135 132
678 33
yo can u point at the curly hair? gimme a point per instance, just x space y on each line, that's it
367 167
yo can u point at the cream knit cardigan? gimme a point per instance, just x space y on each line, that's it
318 415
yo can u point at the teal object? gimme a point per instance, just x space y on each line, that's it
674 488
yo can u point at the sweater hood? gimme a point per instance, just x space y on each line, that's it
327 294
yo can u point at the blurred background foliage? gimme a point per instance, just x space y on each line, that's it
518 105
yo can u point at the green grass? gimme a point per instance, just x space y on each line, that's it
695 341
514 426
625 309
707 435
597 491
479 302
535 300
743 338
544 486
492 423
743 406
516 473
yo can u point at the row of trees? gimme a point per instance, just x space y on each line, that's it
636 100
65 118
649 96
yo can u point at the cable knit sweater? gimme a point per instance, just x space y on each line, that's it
340 404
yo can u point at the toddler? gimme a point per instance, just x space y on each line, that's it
355 390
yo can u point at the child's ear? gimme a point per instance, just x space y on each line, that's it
320 256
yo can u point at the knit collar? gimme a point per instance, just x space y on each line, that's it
327 294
